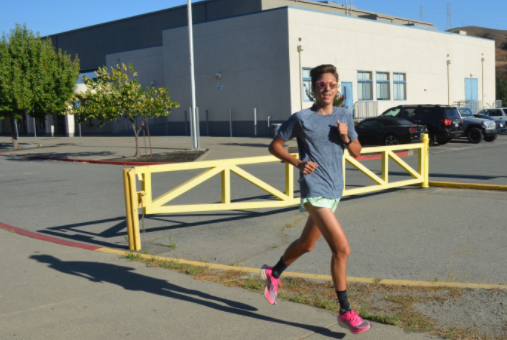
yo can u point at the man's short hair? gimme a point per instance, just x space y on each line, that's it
317 72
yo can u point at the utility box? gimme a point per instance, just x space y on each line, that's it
274 129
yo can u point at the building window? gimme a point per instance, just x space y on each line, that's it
364 86
383 86
90 75
400 86
307 84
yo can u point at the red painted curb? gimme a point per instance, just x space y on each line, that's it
91 161
379 156
37 236
94 161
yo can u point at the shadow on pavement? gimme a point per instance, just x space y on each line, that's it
175 221
171 221
124 277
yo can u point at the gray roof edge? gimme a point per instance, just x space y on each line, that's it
125 19
390 23
203 1
354 9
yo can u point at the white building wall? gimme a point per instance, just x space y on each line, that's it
250 52
148 63
50 125
70 126
354 44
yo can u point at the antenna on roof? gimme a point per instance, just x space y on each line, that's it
448 25
421 13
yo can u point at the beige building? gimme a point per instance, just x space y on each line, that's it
259 62
252 62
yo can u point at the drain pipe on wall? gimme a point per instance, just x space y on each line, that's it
448 84
300 49
482 62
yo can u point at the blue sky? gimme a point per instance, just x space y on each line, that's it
55 16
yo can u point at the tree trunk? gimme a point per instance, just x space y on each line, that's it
136 134
149 137
15 142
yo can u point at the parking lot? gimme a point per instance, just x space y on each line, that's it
405 233
462 143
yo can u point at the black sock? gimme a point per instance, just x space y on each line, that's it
279 268
343 300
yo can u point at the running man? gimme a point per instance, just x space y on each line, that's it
322 133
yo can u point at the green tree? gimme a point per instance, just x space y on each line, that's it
118 94
34 78
501 90
338 100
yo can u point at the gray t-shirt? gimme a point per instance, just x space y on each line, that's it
319 141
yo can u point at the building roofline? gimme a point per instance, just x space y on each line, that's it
335 14
388 23
125 19
328 5
382 15
232 16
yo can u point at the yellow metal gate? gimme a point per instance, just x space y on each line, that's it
135 200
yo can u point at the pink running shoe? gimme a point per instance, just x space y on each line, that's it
272 283
353 322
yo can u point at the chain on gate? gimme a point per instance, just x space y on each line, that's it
142 215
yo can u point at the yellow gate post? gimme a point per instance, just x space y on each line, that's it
128 208
135 244
424 160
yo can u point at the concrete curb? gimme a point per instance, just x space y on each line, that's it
34 235
204 155
458 185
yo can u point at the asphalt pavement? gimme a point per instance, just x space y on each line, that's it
406 233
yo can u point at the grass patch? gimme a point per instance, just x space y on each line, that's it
8 230
171 243
133 256
393 305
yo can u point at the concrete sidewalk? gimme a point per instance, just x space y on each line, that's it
56 292
101 148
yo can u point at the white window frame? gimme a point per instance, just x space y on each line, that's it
397 83
308 82
362 89
381 86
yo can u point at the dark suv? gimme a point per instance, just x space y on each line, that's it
443 122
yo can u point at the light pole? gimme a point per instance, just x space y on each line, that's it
193 121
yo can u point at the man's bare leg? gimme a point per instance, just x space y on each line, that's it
334 235
304 244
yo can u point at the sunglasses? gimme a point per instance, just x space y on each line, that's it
322 84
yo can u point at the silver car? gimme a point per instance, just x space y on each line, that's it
499 114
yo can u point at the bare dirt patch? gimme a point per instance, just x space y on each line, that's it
165 157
